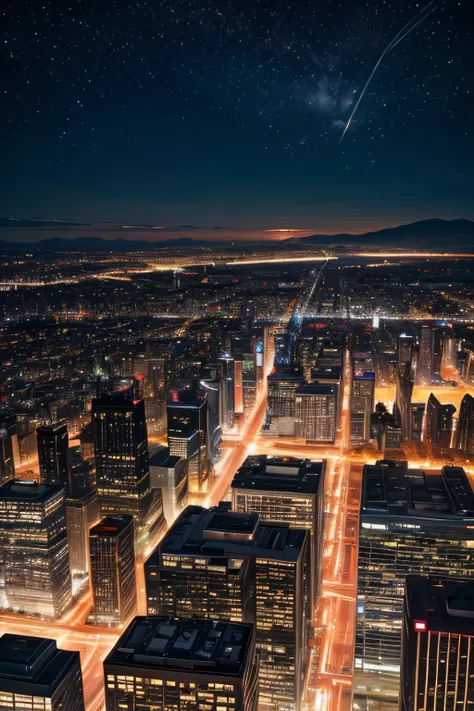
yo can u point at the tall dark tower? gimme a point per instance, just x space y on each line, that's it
465 431
121 457
53 444
7 433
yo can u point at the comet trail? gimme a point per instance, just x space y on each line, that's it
409 27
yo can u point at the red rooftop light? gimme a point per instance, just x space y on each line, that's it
420 625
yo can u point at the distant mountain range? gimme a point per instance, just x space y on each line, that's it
426 234
448 234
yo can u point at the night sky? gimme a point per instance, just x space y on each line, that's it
231 112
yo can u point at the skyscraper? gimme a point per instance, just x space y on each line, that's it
226 364
438 423
36 675
437 664
35 554
170 474
7 435
285 490
361 407
82 511
53 446
417 418
281 403
231 566
410 522
188 435
424 366
121 456
211 386
465 432
182 664
113 570
316 412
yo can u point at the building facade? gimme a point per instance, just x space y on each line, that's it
36 675
316 412
410 523
168 663
53 447
437 664
112 556
34 550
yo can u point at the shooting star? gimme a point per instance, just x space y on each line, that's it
409 27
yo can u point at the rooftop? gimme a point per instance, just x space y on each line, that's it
390 490
171 644
20 490
32 664
220 532
163 458
265 473
111 526
317 389
444 604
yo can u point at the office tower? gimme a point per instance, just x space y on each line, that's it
7 444
465 431
35 555
417 418
231 566
410 522
429 356
182 664
238 387
438 423
361 407
211 386
226 365
283 348
403 395
188 435
285 490
112 555
249 379
424 367
316 412
437 664
82 512
281 402
170 474
53 458
121 456
405 349
449 349
36 675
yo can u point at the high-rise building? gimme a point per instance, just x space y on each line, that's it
82 511
170 474
226 363
438 423
188 435
35 554
112 555
285 490
121 457
405 349
410 522
211 386
361 407
316 412
417 419
437 663
53 457
8 434
231 566
465 431
424 369
36 675
164 663
281 402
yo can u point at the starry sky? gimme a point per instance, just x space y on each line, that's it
231 112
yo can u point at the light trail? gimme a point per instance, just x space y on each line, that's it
277 260
398 38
